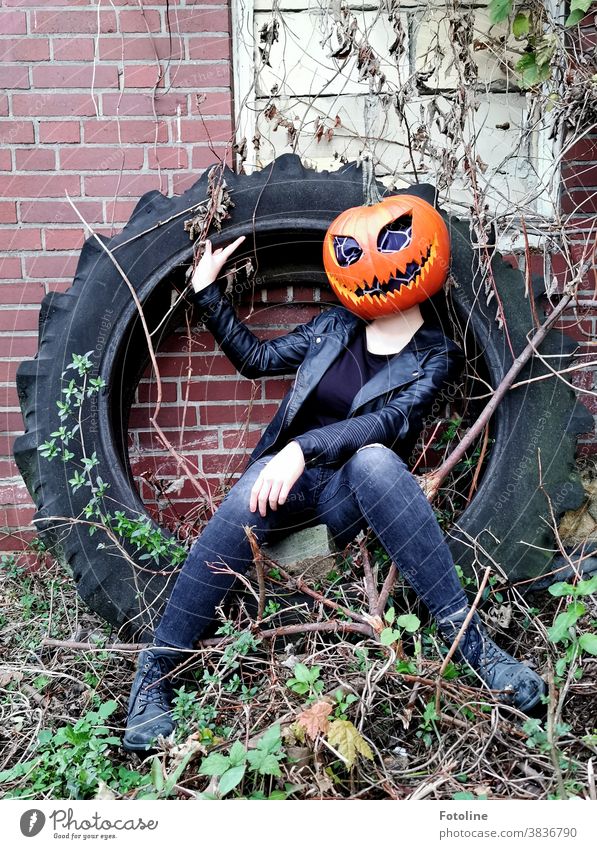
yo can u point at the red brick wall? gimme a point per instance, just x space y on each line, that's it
578 206
59 134
66 126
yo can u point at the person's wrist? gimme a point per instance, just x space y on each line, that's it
199 284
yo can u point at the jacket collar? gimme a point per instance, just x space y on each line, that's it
426 336
404 367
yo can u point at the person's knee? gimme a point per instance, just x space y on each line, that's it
375 456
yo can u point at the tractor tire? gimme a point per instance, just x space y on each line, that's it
284 203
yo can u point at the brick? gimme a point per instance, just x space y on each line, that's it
212 103
223 390
64 239
25 50
579 201
35 159
60 212
16 517
50 266
52 104
10 267
196 130
18 346
138 103
195 440
209 47
143 76
8 212
167 416
34 186
71 20
211 365
277 315
137 132
18 542
135 20
8 469
579 175
14 76
11 422
16 132
4 105
119 210
148 392
38 3
168 157
208 75
131 48
178 343
25 292
71 49
201 20
5 160
213 414
101 158
59 132
277 389
75 76
241 438
23 238
584 149
203 156
182 181
110 185
13 23
20 319
214 464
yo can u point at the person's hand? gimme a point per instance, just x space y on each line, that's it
210 264
277 477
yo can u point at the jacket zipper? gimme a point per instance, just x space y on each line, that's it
289 402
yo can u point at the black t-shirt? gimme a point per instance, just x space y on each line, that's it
331 399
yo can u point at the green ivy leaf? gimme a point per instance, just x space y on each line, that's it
214 764
231 779
521 24
561 589
588 642
409 622
499 10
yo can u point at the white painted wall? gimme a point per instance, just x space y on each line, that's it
306 86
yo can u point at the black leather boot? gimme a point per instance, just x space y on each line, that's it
496 667
149 709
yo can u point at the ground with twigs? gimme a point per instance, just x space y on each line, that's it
317 715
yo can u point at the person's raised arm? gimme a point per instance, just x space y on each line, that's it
251 356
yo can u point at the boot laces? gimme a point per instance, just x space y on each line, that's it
154 669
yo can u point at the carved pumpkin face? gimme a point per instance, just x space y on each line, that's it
387 257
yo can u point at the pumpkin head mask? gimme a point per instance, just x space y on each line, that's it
388 256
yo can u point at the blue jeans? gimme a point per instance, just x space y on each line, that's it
374 488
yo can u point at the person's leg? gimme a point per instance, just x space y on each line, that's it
199 589
375 488
197 592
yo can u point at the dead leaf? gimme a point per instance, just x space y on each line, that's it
347 740
315 719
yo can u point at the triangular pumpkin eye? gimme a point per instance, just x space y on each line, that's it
396 235
347 250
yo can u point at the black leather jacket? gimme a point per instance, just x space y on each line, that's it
389 411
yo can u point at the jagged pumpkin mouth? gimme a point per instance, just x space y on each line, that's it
401 277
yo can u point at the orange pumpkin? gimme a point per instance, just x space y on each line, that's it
388 256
